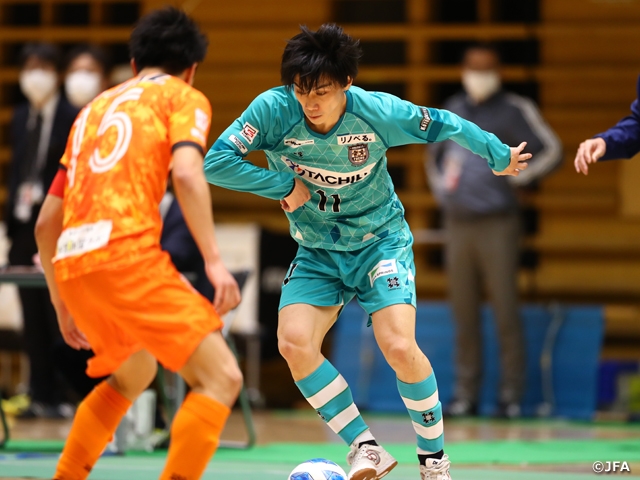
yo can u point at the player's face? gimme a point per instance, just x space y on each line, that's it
324 105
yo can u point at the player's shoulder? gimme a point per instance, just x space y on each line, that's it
371 101
174 87
280 98
277 103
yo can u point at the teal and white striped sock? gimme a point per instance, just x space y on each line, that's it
421 400
327 391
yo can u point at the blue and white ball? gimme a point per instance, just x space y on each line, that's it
318 469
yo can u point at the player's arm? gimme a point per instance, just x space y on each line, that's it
47 231
414 124
620 141
260 127
193 195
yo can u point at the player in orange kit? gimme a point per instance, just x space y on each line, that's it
113 287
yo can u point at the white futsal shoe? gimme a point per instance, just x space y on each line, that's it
369 462
436 469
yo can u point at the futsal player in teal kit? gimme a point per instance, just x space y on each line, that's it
325 141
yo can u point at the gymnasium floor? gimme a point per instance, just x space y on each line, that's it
480 449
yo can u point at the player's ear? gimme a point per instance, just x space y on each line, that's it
348 85
134 67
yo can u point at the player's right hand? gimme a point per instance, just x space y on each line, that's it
227 293
298 197
589 151
69 330
517 163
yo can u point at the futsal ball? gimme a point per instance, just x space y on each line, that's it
318 469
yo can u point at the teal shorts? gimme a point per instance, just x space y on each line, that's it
378 275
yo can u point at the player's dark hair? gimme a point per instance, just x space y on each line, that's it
96 52
168 39
326 54
45 52
485 46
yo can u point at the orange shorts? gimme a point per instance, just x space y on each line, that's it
144 306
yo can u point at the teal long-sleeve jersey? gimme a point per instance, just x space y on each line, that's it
353 202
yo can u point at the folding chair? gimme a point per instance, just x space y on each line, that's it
178 397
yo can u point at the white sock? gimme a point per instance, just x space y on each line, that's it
365 436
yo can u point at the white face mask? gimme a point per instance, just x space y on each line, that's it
480 85
38 85
82 86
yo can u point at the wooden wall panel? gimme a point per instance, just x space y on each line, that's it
590 11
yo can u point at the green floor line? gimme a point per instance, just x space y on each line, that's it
498 452
140 468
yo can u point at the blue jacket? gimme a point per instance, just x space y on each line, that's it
623 139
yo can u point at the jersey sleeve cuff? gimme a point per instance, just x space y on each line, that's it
187 143
293 187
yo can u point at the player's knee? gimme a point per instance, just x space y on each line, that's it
400 351
234 378
292 350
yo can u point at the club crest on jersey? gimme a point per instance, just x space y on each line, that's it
249 132
426 119
358 154
294 142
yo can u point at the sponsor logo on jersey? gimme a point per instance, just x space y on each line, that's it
202 120
327 178
385 267
294 142
355 138
358 154
85 238
426 119
238 143
249 132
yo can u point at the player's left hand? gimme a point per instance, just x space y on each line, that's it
69 330
518 161
227 294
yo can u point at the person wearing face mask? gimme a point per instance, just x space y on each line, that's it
87 74
481 218
39 131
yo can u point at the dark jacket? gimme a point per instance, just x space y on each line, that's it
623 139
63 120
478 192
178 242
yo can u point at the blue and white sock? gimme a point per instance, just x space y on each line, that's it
328 393
425 410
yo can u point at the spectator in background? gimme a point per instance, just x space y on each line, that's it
87 75
39 131
620 141
482 225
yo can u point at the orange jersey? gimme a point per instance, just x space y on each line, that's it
117 159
